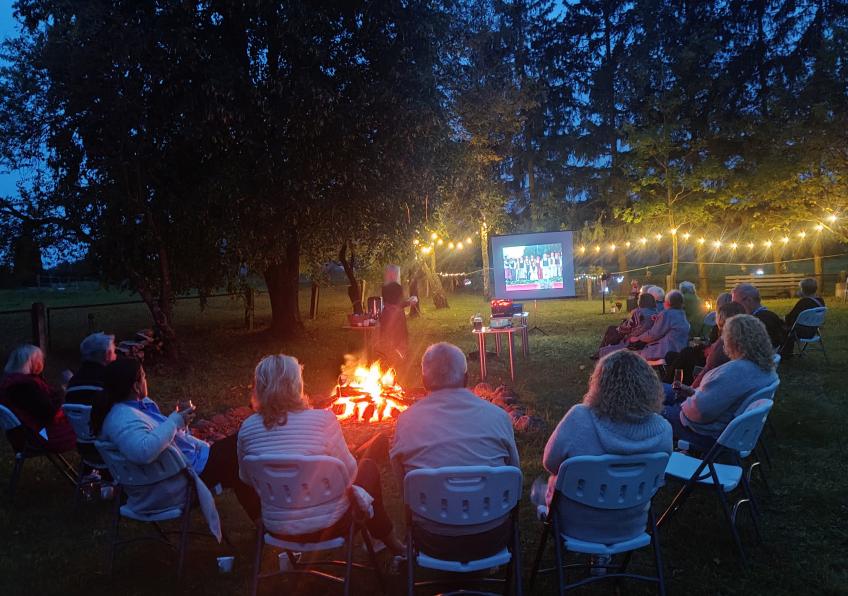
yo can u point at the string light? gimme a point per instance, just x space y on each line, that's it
802 234
701 240
767 243
750 245
643 240
597 248
785 239
717 243
627 244
582 249
658 236
415 242
434 236
734 245
673 231
468 239
440 241
451 245
612 247
819 227
832 218
686 235
459 246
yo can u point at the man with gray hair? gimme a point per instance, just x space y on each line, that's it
451 426
809 298
749 296
97 350
693 306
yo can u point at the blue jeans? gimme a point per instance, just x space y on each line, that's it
680 431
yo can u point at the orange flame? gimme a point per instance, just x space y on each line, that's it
368 388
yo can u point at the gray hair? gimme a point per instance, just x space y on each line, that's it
278 387
687 287
657 292
22 358
723 298
809 286
674 299
94 347
443 366
644 289
747 291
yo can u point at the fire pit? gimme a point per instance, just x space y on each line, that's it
367 394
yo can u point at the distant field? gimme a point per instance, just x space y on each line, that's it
804 517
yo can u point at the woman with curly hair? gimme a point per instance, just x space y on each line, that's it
724 391
618 416
284 424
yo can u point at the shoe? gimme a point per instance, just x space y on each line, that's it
599 564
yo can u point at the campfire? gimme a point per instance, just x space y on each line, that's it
367 394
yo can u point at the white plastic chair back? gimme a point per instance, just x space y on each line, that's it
776 359
79 415
169 463
743 431
710 319
612 481
8 420
812 317
462 495
297 481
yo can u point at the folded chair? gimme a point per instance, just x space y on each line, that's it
739 437
28 445
295 482
126 473
79 415
463 496
607 482
812 317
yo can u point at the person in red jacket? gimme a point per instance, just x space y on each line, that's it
33 401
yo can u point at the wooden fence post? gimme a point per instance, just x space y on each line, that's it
39 325
249 307
313 300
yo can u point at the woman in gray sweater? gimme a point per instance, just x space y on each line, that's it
725 391
618 416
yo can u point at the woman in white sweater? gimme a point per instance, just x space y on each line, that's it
285 424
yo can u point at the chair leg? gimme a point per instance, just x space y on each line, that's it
539 553
516 557
372 556
559 560
78 486
257 559
726 509
755 510
763 449
655 543
349 559
410 565
183 542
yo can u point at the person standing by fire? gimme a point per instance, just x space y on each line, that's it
393 342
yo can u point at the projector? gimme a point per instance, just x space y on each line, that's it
506 308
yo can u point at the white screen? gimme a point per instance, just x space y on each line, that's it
533 266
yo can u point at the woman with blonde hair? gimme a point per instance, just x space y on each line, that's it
37 405
619 416
724 391
285 424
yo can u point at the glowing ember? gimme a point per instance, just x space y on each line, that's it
368 394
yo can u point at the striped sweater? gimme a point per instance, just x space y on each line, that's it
309 432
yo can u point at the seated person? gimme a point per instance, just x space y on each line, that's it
749 297
724 391
123 415
451 426
640 320
669 333
710 356
721 300
659 295
285 424
34 402
809 299
619 416
694 308
97 350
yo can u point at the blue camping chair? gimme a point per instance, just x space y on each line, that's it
740 437
605 482
463 496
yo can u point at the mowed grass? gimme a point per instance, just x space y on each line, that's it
49 548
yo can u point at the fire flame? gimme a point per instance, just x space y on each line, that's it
369 394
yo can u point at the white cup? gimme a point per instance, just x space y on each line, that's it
225 564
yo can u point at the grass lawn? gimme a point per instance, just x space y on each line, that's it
48 548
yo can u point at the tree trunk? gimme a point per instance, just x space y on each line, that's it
818 266
776 258
703 284
622 268
354 290
283 287
484 249
438 292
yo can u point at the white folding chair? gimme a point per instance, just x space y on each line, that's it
463 496
740 436
605 482
296 482
79 415
28 445
812 317
128 474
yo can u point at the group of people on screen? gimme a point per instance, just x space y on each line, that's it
627 409
530 268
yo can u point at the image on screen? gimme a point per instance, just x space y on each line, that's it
535 267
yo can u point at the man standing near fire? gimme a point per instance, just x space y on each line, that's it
451 426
